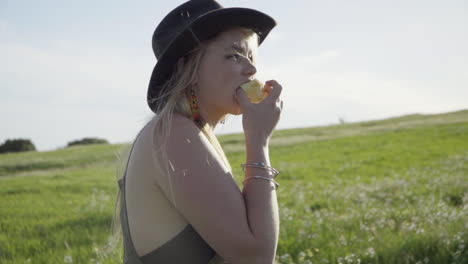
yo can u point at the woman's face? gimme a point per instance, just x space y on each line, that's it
228 62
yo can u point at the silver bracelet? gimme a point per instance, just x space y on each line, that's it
262 178
261 165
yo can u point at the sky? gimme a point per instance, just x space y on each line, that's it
75 69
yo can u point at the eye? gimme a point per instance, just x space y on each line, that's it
235 57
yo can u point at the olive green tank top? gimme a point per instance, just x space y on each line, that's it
185 247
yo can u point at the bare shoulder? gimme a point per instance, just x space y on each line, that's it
182 126
181 120
186 143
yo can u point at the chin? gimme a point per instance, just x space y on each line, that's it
236 110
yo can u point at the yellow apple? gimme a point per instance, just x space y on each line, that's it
254 90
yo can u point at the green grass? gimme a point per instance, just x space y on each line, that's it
387 191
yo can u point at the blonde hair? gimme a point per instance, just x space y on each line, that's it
173 98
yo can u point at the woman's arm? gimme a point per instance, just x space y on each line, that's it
207 196
242 227
260 195
262 206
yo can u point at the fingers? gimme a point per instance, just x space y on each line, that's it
275 91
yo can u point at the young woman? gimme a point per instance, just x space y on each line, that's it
180 203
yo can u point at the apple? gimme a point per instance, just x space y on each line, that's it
254 90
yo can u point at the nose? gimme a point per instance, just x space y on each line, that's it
249 68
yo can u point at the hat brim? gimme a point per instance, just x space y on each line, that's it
201 29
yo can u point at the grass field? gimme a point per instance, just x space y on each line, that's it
387 191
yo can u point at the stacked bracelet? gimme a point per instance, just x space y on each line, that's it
262 178
261 165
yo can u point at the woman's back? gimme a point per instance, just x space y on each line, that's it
156 227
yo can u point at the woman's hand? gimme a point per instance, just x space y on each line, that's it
259 120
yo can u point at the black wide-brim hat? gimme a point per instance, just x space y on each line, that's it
191 23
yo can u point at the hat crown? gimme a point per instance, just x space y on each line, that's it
174 23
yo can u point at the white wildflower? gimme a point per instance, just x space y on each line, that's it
68 259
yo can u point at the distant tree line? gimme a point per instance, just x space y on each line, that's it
20 144
17 145
87 141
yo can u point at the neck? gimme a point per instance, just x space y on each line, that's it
211 117
209 113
